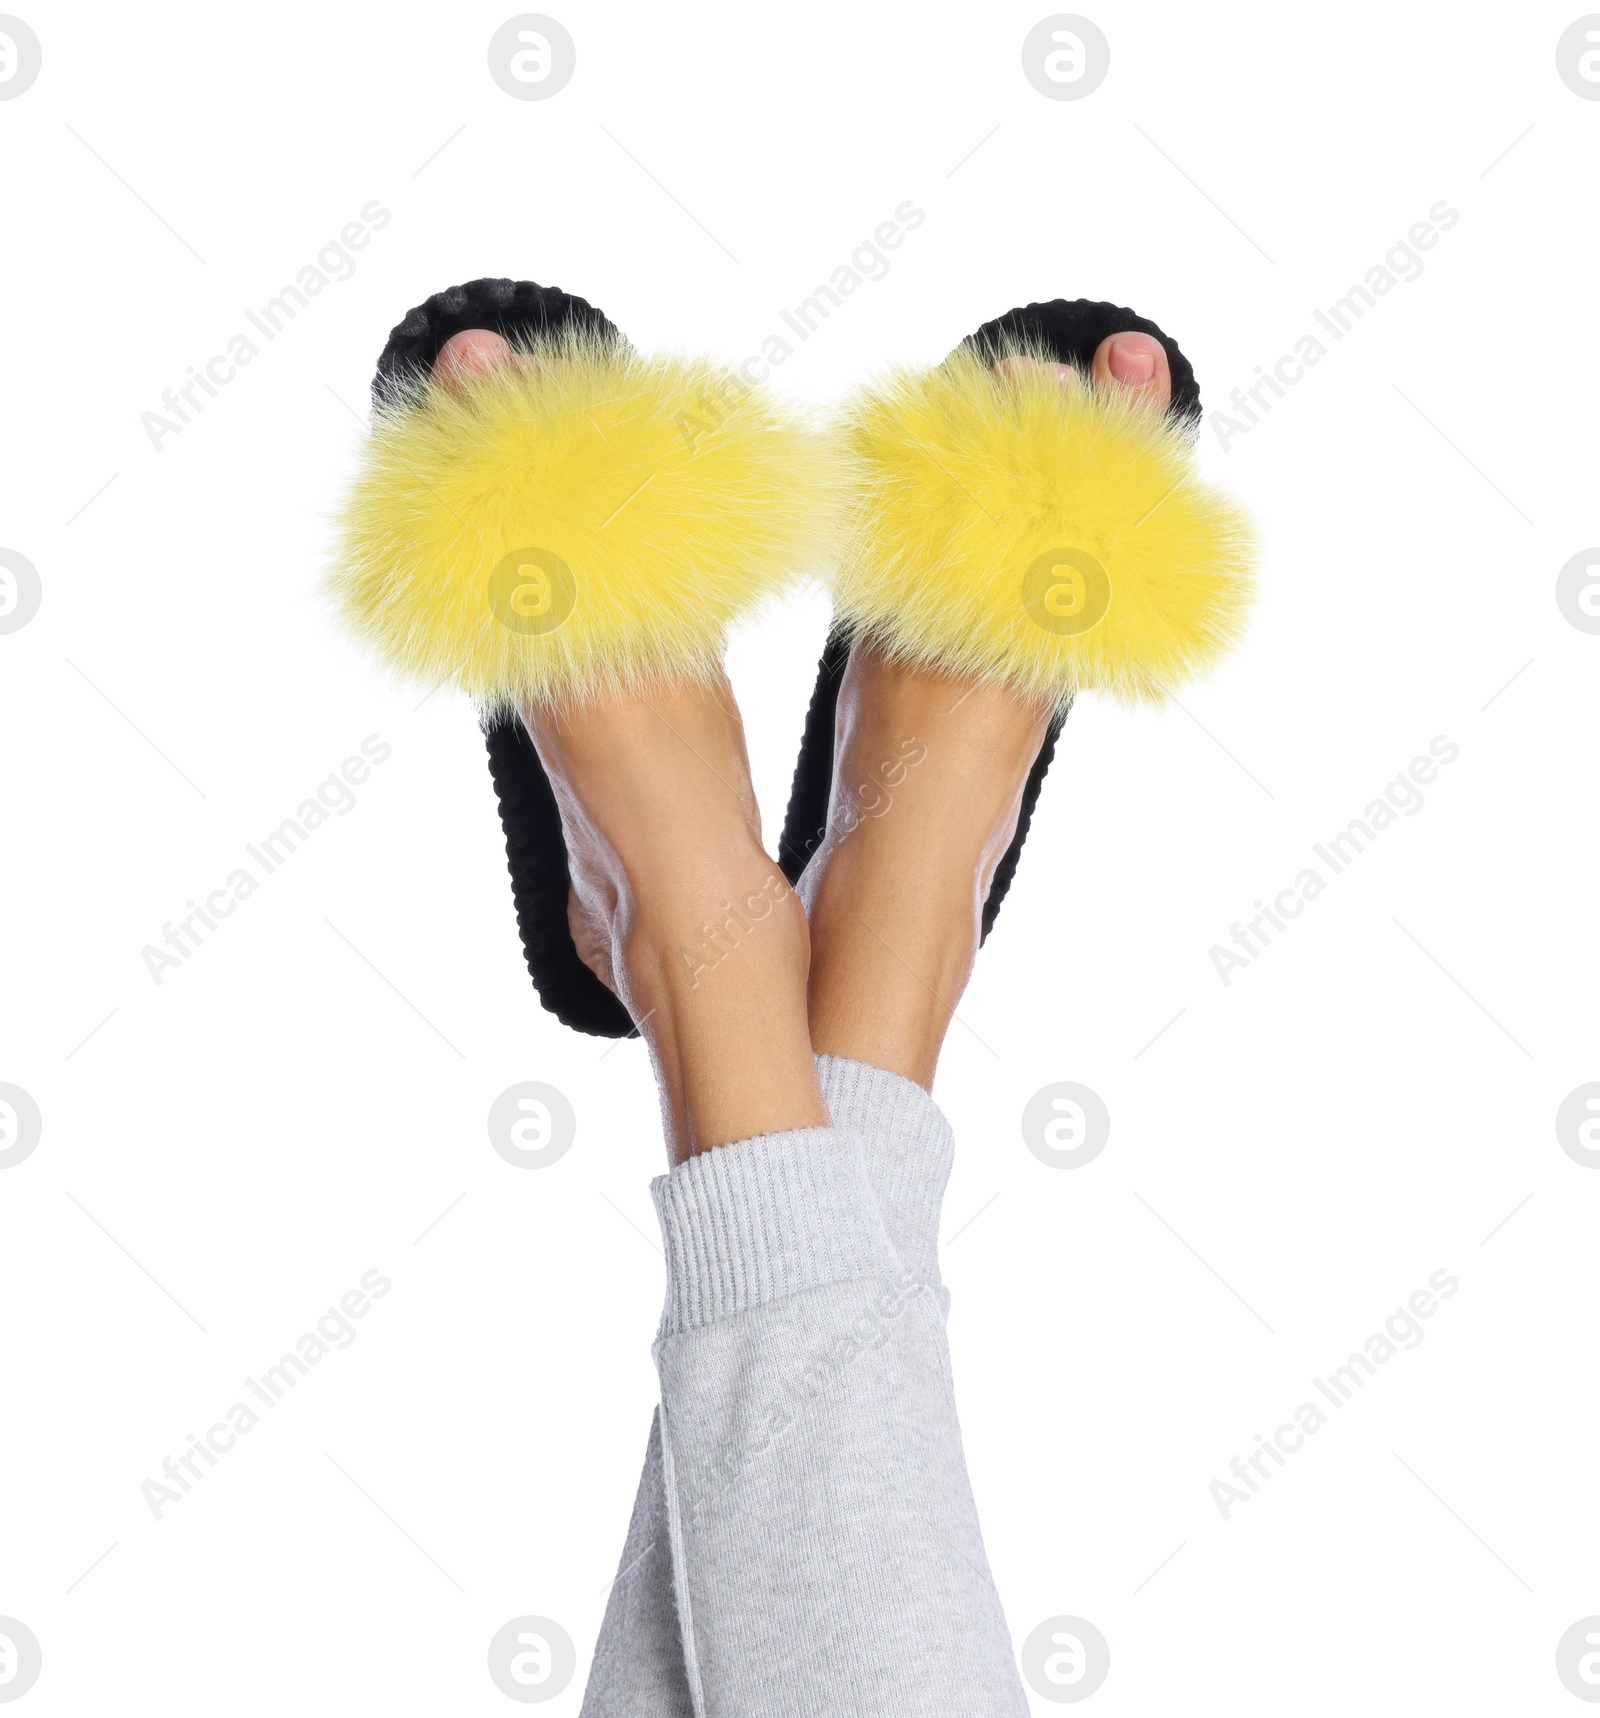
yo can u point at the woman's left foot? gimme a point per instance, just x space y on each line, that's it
928 780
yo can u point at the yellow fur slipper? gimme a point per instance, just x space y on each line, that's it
1057 538
590 521
582 520
1012 529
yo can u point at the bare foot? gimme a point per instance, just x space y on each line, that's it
928 772
928 780
630 775
674 904
678 908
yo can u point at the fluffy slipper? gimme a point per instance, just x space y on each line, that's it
580 521
1053 539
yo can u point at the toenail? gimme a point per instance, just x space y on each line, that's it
1131 364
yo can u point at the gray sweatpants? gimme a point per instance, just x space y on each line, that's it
804 1540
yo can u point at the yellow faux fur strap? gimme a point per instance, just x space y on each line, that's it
1050 537
586 521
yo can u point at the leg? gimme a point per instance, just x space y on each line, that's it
810 1458
818 1515
874 1014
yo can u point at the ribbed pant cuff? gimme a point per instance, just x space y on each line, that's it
749 1223
910 1151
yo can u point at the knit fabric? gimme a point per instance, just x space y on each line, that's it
804 1539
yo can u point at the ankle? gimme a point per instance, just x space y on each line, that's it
910 867
740 924
722 1003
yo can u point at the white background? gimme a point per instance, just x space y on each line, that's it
299 1103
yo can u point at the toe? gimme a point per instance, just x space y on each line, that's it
471 352
1137 362
1064 373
